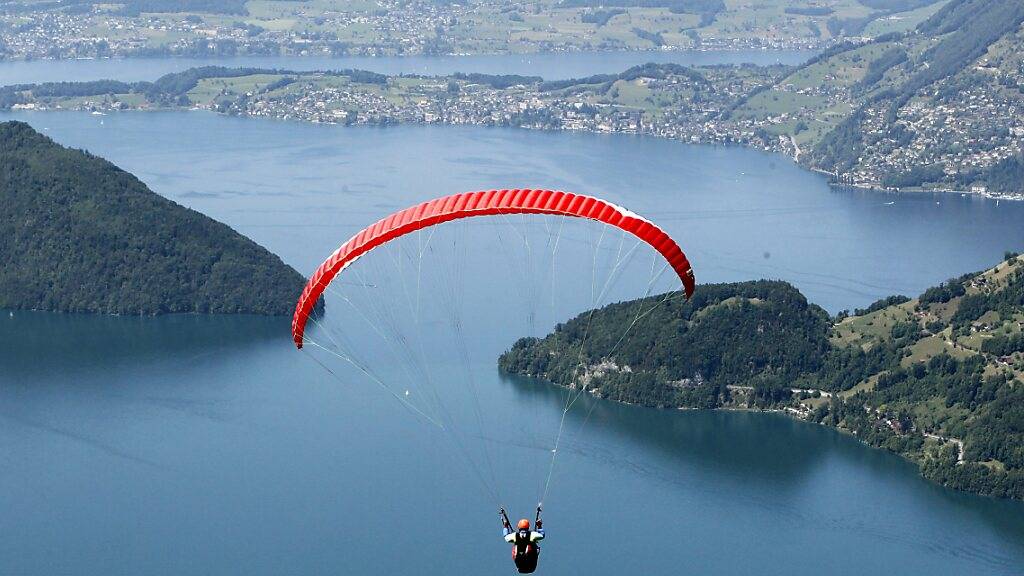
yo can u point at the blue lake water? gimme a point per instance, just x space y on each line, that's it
189 445
551 66
738 213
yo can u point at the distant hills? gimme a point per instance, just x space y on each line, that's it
931 106
78 234
935 107
938 379
205 28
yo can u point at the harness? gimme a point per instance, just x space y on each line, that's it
523 545
525 552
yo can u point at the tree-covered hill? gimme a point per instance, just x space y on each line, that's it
683 353
938 379
78 234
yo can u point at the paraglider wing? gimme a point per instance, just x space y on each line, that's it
485 203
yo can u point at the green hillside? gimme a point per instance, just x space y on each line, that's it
78 234
198 28
938 379
933 104
933 107
684 353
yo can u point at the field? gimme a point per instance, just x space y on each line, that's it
903 21
483 26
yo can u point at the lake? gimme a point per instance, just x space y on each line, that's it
193 445
739 214
551 66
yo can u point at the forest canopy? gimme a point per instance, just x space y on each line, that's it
78 234
902 374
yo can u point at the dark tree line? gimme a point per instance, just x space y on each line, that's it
809 10
880 304
137 7
686 353
600 17
676 6
753 342
879 66
78 234
497 81
649 70
169 89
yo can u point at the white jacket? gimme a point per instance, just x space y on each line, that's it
535 535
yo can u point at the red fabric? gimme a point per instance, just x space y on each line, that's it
485 203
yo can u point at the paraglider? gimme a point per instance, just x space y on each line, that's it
524 541
488 203
398 331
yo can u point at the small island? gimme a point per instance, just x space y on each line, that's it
78 234
937 379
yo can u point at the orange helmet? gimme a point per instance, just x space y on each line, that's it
524 524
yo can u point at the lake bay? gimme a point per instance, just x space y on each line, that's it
190 445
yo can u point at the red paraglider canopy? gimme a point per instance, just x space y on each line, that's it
485 203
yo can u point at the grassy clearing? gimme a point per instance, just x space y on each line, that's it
1014 369
927 348
995 278
873 327
774 102
994 465
768 19
210 88
933 414
845 69
131 100
902 21
865 386
734 302
632 94
943 311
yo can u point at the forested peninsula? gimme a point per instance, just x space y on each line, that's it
78 234
938 379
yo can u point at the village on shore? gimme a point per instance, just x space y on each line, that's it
705 105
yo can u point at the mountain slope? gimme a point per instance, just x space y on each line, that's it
936 107
78 234
932 107
938 379
683 353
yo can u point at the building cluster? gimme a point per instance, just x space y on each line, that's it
960 134
327 105
945 139
396 27
48 35
679 106
938 138
949 135
387 27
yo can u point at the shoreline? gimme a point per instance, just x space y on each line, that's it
570 50
871 187
670 49
879 188
796 414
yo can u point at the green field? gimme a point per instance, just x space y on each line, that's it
486 26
